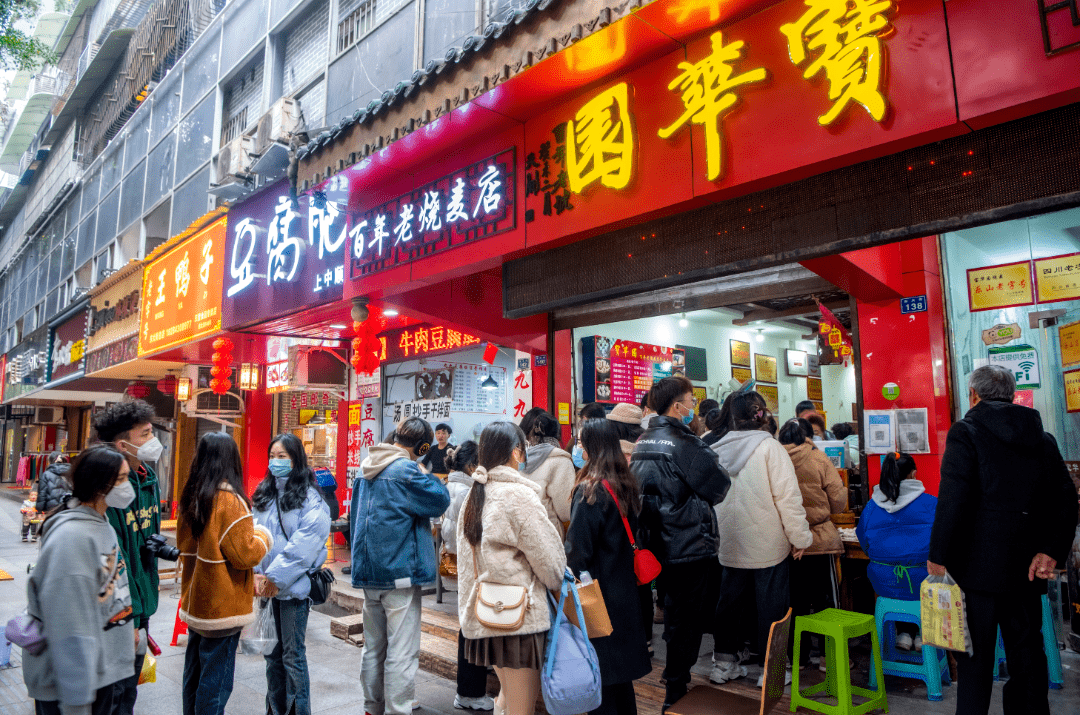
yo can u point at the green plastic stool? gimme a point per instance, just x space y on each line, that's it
837 627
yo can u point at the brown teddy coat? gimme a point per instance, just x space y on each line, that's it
217 584
823 495
519 546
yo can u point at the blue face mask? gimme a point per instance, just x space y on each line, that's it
578 456
688 418
280 467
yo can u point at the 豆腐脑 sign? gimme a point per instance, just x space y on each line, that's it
1022 360
1003 286
181 294
1057 278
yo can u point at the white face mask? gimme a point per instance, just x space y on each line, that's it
121 495
150 451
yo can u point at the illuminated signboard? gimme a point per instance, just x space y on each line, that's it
182 291
281 255
471 203
68 347
423 340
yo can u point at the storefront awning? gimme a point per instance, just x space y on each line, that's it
77 390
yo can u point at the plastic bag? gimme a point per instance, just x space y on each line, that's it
259 637
148 674
944 614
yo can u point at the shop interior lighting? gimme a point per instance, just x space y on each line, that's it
760 336
489 383
683 322
183 389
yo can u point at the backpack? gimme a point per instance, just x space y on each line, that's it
570 680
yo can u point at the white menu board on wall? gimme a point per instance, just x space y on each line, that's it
469 396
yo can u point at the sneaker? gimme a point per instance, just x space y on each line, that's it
904 641
743 655
25 539
725 670
917 644
415 704
481 703
787 678
345 571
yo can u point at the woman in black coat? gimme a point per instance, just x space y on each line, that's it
597 542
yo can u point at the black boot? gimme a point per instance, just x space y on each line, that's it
346 570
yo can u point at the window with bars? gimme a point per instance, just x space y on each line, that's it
355 25
234 126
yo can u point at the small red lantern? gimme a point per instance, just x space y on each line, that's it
221 371
167 385
223 345
220 385
139 390
222 359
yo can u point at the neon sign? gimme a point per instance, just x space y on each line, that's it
600 141
422 340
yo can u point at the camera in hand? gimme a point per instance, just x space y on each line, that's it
159 547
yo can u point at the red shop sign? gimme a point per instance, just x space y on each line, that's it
422 340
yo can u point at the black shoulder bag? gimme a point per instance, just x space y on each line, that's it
322 579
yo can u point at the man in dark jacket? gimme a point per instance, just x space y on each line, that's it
1006 516
54 483
681 481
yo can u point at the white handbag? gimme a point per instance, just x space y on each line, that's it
499 606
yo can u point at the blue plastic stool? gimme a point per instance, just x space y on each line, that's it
1050 647
929 666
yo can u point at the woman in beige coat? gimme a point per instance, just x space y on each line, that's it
505 538
823 494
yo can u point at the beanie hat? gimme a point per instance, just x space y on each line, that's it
623 412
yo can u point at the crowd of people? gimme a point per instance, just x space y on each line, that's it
736 506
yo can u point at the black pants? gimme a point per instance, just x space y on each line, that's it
772 594
127 689
811 591
105 703
1020 617
618 699
688 586
471 679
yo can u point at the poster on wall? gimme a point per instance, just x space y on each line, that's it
1057 278
1069 340
765 368
742 374
1023 360
433 384
772 397
430 410
813 389
912 430
796 363
1072 390
813 366
623 371
740 353
1003 286
880 431
700 394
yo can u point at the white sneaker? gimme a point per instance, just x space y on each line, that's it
904 641
787 677
725 670
415 704
918 643
481 703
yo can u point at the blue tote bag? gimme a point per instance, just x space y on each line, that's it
570 680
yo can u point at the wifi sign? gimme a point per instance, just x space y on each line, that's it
1022 360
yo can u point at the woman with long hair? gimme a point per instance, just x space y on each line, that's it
550 467
78 592
220 546
504 537
762 528
597 542
289 504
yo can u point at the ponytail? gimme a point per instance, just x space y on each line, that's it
471 518
895 468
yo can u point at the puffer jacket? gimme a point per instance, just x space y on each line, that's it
458 484
394 501
763 516
519 547
823 494
553 469
53 485
681 481
896 537
299 548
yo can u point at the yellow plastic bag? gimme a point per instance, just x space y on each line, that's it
149 670
944 615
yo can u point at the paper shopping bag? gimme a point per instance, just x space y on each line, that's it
597 622
944 615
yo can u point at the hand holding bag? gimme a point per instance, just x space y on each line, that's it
260 636
597 621
943 613
499 606
646 567
25 631
570 680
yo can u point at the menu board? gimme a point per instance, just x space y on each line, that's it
765 367
468 393
623 370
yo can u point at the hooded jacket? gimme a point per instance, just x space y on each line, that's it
134 525
1005 496
79 591
217 578
896 537
458 485
681 481
823 494
52 486
393 503
553 469
762 517
518 547
299 547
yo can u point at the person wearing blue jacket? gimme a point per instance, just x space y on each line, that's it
290 505
894 531
393 555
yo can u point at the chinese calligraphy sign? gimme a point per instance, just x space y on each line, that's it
600 142
424 340
1057 278
1001 286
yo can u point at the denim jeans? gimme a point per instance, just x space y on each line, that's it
209 664
391 650
288 687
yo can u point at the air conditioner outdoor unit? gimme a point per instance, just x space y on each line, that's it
277 124
234 158
49 415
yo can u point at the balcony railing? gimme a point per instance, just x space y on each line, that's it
356 24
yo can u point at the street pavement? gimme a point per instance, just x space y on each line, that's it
335 664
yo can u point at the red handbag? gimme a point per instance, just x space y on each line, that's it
646 566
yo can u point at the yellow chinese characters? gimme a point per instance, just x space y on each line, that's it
846 34
707 95
600 142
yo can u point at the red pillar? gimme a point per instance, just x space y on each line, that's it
560 361
257 435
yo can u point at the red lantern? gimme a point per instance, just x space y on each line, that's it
139 390
221 358
167 385
223 345
221 371
220 385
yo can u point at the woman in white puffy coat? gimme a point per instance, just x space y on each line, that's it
471 679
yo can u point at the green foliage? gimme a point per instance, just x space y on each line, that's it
19 50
